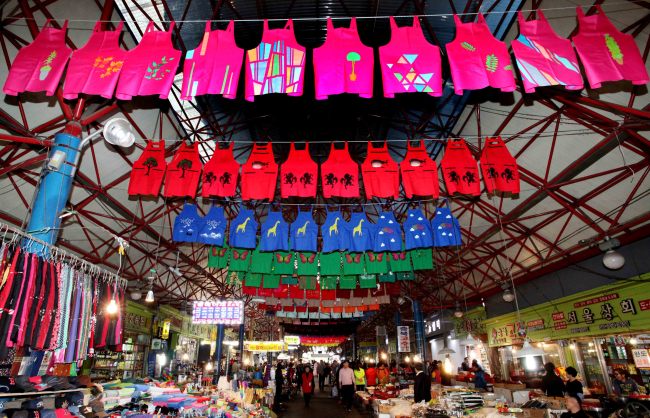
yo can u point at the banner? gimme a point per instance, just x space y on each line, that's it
641 358
264 346
165 329
606 310
321 341
292 340
228 312
403 339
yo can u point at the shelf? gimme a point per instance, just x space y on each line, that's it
45 392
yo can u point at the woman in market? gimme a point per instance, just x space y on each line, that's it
436 373
307 385
359 377
624 384
383 376
552 385
573 386
574 408
479 376
371 375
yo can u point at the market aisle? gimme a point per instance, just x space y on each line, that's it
322 406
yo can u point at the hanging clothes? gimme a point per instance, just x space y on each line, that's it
340 174
214 66
187 224
221 173
419 172
298 174
359 233
499 167
417 230
276 65
39 65
343 64
150 67
304 233
95 67
275 233
380 173
259 174
243 230
213 228
409 63
606 53
446 229
477 59
184 172
460 170
334 234
543 57
388 235
148 171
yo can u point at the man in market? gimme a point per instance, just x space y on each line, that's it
279 383
346 385
624 384
422 384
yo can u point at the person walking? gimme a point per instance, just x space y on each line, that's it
359 377
573 386
346 385
479 376
552 384
422 384
321 376
371 375
307 385
279 383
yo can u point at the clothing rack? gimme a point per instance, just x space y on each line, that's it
59 254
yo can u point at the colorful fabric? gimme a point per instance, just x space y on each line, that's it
187 224
330 264
218 257
343 64
328 282
419 172
303 234
499 168
275 233
213 230
340 174
348 282
417 230
184 172
243 230
353 264
543 57
460 169
299 174
376 262
477 59
283 262
221 173
388 233
276 65
446 229
253 280
409 63
400 261
333 233
422 259
367 281
307 263
360 232
240 259
261 262
271 281
380 173
259 174
213 67
606 53
148 171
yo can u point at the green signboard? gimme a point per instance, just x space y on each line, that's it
608 310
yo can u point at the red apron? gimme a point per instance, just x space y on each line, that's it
419 172
259 174
221 173
380 173
148 171
460 170
298 174
499 168
340 174
184 172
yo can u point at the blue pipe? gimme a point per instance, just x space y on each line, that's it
218 352
241 343
419 329
52 195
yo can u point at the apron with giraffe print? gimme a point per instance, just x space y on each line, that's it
220 174
275 233
243 230
304 233
360 233
333 231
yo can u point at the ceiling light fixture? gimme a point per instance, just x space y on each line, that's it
612 259
508 296
458 313
528 350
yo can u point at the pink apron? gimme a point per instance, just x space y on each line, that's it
214 66
95 67
606 53
343 64
277 65
150 67
543 57
39 66
477 59
409 63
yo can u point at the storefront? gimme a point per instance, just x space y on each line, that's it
137 339
440 333
596 332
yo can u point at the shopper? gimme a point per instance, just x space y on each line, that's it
422 384
465 365
574 408
624 384
327 372
371 375
359 377
279 383
320 370
383 376
479 376
307 385
552 385
346 385
436 373
573 386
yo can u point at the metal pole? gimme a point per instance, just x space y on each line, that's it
218 352
241 344
419 329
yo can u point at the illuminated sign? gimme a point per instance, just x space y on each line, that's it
227 312
292 340
264 346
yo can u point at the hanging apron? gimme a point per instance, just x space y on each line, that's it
360 233
259 174
304 233
243 230
275 233
446 229
460 170
298 174
389 233
380 173
187 224
334 233
417 230
184 172
499 168
340 174
148 171
221 173
213 228
419 172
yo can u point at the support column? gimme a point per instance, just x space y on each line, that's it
419 329
398 323
241 344
54 190
218 352
354 347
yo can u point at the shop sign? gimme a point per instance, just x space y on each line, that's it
641 358
227 312
264 346
432 326
292 340
470 323
403 339
606 310
165 329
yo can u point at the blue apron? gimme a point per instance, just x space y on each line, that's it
304 233
187 224
275 233
243 230
446 229
389 233
360 233
334 233
417 230
213 231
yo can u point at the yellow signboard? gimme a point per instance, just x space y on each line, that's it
165 329
292 340
264 346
